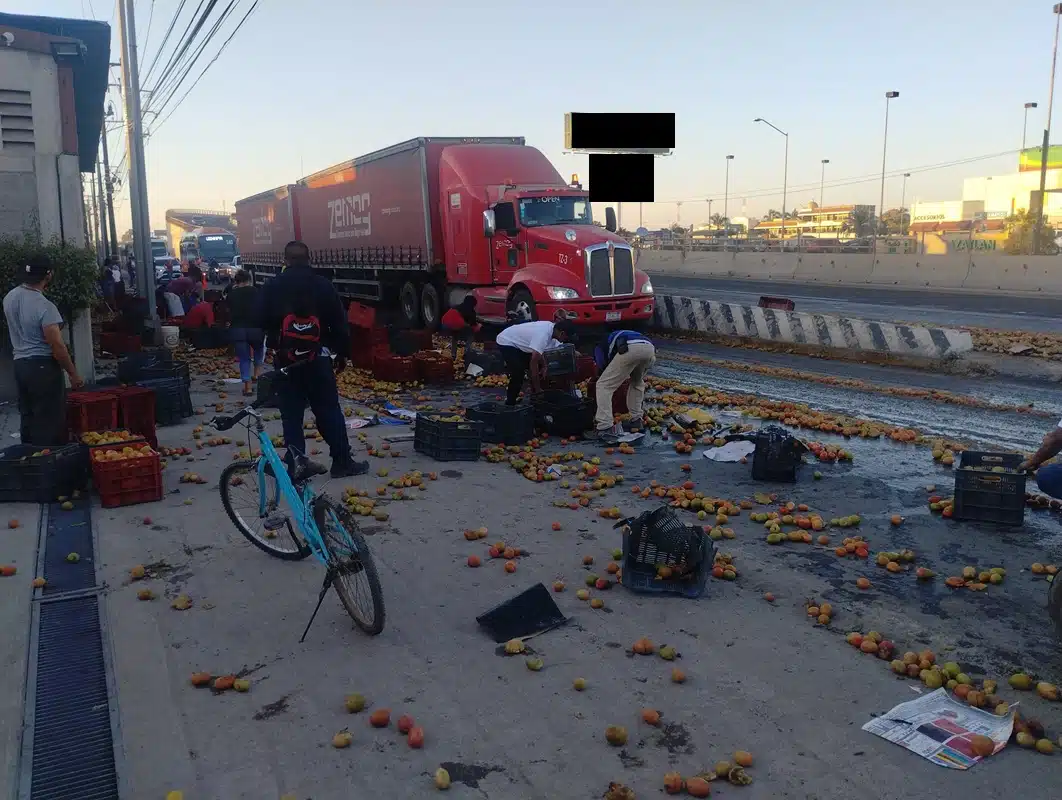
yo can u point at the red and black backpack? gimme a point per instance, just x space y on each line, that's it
300 338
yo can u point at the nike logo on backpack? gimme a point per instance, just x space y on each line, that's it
302 326
302 352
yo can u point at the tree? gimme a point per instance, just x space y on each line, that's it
626 234
677 228
773 214
860 222
718 220
127 236
1020 228
76 273
895 221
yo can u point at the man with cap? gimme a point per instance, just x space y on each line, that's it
41 357
522 346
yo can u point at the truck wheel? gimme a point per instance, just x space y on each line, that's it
409 303
430 306
523 304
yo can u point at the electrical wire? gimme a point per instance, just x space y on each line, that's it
147 34
195 24
842 182
165 39
168 90
208 66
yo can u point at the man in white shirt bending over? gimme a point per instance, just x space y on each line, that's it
522 347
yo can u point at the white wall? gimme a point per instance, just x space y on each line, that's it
42 185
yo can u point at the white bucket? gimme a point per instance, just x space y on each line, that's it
171 335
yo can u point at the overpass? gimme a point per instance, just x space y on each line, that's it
180 221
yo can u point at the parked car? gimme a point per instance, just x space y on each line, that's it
821 245
862 245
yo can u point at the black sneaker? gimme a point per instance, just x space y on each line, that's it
634 426
349 469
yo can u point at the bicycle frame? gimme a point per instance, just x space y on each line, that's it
301 503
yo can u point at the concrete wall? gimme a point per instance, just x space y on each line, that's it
40 185
817 330
971 271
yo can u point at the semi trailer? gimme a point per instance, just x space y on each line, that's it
416 227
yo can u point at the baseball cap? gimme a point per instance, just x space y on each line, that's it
37 267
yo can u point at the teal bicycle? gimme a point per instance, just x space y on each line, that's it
322 527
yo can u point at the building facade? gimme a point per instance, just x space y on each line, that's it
53 78
820 222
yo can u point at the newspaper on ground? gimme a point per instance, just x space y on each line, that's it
731 452
940 729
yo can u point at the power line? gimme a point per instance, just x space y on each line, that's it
147 35
165 39
209 65
195 24
758 193
173 85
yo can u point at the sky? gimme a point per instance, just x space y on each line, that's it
305 85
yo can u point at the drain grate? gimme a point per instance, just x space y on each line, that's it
73 749
68 532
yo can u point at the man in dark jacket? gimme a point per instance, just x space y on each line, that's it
299 290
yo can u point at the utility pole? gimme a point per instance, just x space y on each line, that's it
85 215
639 215
95 218
134 131
109 186
1047 138
103 209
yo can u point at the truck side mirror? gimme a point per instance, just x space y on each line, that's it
610 219
489 226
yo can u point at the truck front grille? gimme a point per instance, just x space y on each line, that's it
610 276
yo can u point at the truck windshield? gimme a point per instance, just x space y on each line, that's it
221 247
555 210
158 249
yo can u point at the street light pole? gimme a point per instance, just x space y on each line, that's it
884 148
903 199
1025 123
726 199
1057 10
822 180
785 168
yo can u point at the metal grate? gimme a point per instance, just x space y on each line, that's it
623 271
68 532
73 748
600 273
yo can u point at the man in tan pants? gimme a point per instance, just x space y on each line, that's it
624 354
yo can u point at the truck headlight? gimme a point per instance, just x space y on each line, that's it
562 293
647 287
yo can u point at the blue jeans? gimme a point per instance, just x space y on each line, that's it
248 344
1049 479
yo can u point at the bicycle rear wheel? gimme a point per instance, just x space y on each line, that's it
241 494
356 582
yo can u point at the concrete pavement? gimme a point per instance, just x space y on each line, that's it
762 677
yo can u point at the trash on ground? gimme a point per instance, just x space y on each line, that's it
530 612
943 731
731 452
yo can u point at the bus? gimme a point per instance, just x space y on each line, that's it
219 246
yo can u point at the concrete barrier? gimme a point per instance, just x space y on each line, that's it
975 273
792 327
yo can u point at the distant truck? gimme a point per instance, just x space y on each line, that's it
160 253
418 226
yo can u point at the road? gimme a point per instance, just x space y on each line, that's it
1004 312
761 677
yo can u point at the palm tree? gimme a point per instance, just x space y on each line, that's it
773 214
718 220
860 221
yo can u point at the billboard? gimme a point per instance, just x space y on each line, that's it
1029 159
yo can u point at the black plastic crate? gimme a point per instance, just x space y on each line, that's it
266 396
989 488
659 539
777 456
504 424
177 370
25 478
173 400
560 360
131 365
562 413
447 441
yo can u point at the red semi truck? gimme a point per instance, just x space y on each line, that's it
417 226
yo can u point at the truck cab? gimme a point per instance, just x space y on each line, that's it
539 252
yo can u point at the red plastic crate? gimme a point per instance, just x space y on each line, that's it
585 368
433 367
361 357
619 397
136 411
118 343
127 481
91 411
396 369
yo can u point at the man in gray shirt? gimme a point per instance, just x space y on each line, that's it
41 357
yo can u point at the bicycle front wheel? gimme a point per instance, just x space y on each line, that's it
273 531
356 581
